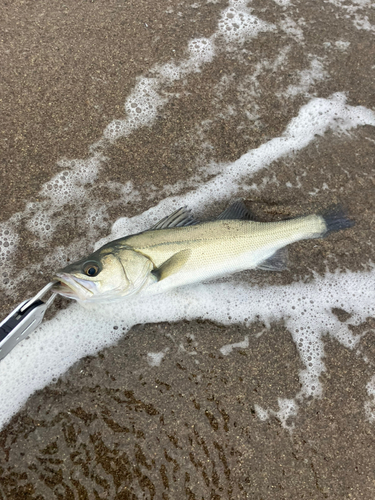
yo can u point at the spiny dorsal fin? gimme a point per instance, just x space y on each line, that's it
172 265
179 218
236 210
277 262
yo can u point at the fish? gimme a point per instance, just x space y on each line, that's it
180 250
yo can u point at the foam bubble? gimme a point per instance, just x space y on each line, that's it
314 119
75 332
289 26
202 50
370 405
8 246
340 44
282 3
354 11
288 409
227 349
155 358
238 25
307 78
141 109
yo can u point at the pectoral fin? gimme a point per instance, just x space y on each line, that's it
172 265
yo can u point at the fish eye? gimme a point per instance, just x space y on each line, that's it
91 269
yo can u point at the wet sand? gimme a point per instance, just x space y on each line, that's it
114 426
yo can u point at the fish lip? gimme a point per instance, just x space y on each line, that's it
77 290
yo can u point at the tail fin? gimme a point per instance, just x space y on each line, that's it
336 219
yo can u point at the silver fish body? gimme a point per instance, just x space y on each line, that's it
180 251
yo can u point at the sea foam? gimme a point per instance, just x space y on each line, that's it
74 182
305 308
314 119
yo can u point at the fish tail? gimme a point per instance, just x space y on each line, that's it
335 219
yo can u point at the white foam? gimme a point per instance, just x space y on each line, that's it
228 348
73 334
363 23
289 26
237 24
283 3
314 119
288 409
141 108
305 308
8 246
155 358
370 405
340 44
201 52
307 78
355 11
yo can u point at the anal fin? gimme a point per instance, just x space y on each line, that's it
172 265
277 262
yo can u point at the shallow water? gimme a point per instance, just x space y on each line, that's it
257 386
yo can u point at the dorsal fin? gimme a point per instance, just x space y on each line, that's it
179 218
236 210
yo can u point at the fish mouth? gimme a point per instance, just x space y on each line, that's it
70 287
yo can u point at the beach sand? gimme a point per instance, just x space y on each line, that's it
118 425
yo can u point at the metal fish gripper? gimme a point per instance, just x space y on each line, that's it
23 320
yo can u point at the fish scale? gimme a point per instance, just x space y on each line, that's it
180 250
226 238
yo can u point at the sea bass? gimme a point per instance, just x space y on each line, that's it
179 251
